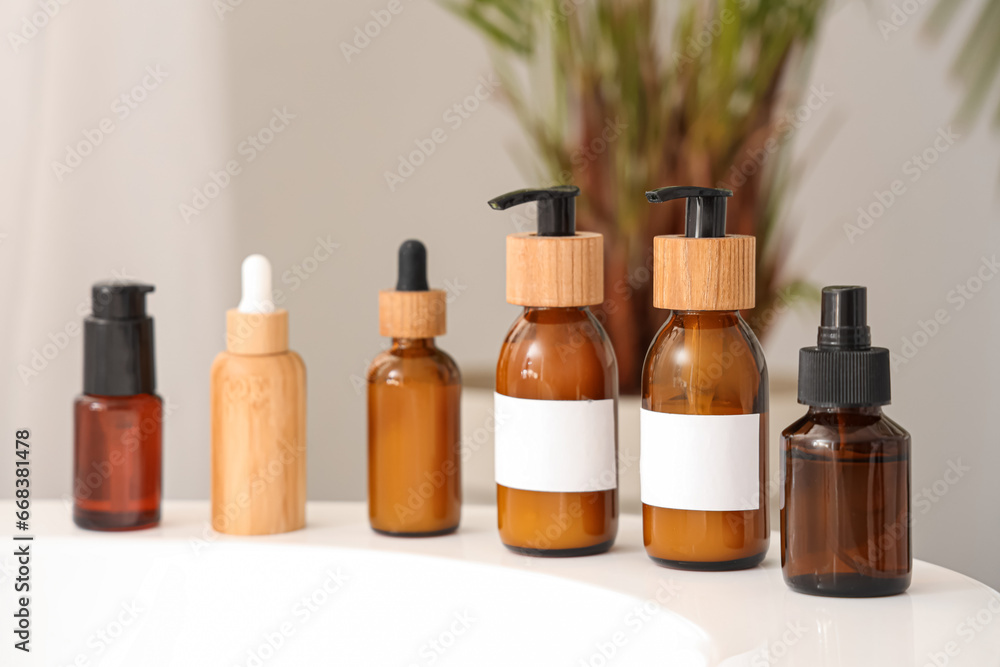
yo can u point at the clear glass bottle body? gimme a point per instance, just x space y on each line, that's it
559 354
845 510
117 461
707 363
414 453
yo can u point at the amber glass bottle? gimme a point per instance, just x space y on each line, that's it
558 354
414 392
556 401
703 459
708 363
845 502
118 421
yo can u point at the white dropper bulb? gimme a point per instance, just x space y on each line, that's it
257 296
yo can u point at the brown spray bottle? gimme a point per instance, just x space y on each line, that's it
845 493
556 400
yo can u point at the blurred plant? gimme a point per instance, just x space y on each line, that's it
616 99
977 67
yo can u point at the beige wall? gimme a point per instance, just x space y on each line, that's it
321 181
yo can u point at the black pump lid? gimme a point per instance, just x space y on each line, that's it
706 209
412 267
556 207
844 370
118 341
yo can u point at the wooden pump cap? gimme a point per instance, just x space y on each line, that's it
555 271
412 314
704 273
256 333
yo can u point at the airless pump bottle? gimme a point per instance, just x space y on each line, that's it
703 431
845 493
118 421
556 401
414 389
258 394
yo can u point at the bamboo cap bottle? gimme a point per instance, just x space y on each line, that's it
556 267
258 395
705 269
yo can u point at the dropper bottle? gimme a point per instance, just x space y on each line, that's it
258 394
845 497
414 394
556 400
703 458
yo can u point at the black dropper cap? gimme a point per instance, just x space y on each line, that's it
412 267
844 370
706 209
118 341
556 207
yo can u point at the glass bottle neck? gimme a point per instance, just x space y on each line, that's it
869 410
413 344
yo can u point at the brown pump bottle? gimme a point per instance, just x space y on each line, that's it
703 458
556 401
845 496
118 421
414 391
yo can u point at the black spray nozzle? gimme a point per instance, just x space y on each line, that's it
117 300
844 318
556 207
706 208
412 267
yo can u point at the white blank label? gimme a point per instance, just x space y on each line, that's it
700 462
557 446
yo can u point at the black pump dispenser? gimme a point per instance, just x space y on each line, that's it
118 341
706 209
556 207
412 267
844 370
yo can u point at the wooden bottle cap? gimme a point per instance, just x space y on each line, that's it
256 333
412 314
704 273
555 271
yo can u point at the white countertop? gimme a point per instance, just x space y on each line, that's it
733 618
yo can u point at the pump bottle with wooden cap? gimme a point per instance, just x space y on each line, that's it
556 401
258 394
703 458
414 389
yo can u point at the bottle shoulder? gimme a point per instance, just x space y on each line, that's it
393 366
705 363
821 429
227 364
100 403
557 354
